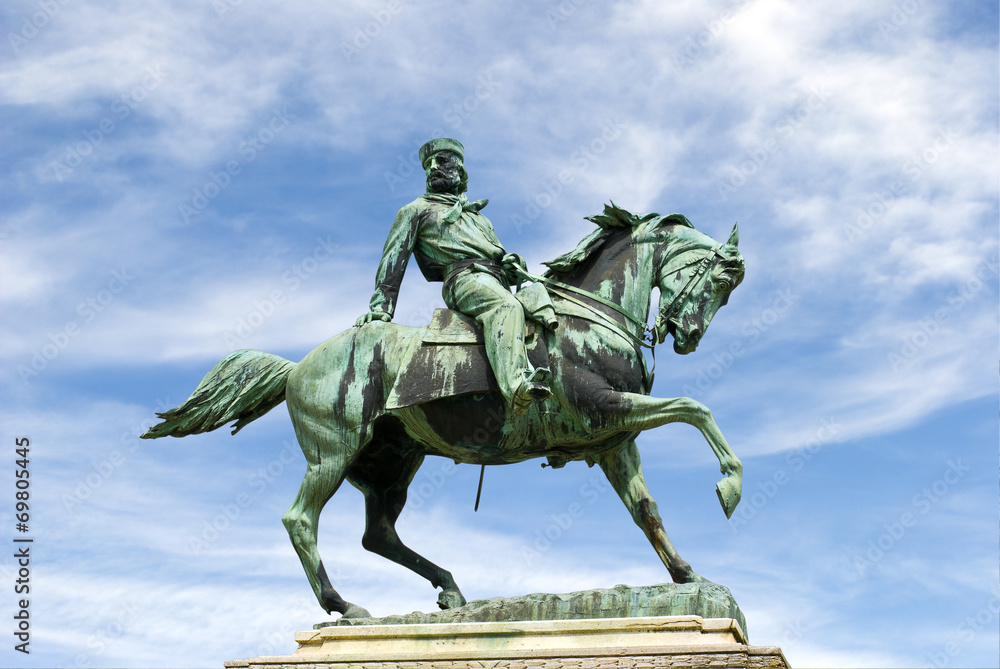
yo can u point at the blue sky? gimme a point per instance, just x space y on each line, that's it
181 179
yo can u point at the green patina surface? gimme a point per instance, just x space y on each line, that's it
370 403
708 600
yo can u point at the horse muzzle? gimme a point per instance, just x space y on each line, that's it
685 343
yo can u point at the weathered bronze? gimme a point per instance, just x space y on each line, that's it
708 600
457 245
369 404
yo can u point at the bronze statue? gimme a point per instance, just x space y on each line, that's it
369 404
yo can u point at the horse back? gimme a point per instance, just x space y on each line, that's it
360 374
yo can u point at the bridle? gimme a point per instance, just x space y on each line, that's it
647 336
700 266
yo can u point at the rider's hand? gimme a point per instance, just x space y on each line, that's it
373 316
513 265
512 261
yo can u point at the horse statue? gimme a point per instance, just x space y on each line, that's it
369 404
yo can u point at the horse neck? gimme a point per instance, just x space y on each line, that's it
622 272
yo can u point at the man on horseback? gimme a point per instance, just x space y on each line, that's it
456 244
603 401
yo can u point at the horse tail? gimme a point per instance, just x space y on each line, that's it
243 386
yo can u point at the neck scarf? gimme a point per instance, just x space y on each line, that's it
460 203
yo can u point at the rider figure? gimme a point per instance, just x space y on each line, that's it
456 244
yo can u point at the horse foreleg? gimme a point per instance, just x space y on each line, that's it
302 522
635 412
384 482
622 467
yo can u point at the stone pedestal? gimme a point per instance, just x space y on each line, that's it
635 643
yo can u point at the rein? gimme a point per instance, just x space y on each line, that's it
560 289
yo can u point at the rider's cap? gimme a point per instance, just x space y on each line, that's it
438 145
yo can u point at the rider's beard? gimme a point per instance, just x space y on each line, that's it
441 181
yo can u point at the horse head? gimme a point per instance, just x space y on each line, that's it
695 279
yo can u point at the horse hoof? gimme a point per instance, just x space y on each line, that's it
355 611
451 599
729 491
685 574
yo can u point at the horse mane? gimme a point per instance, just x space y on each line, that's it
610 221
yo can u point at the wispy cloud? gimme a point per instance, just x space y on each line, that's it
157 217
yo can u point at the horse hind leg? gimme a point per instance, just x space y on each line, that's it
383 475
623 468
322 479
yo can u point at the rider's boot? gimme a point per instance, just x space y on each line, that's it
533 388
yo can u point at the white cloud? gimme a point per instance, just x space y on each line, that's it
844 112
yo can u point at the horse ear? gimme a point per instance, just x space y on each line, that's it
734 236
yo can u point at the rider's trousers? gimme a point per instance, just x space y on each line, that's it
501 317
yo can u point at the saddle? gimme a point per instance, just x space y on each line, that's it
450 357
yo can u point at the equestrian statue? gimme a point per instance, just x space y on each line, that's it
555 370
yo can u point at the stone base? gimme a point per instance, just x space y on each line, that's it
634 643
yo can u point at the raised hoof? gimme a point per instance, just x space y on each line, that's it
451 599
729 491
355 611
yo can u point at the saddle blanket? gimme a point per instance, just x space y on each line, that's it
450 360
